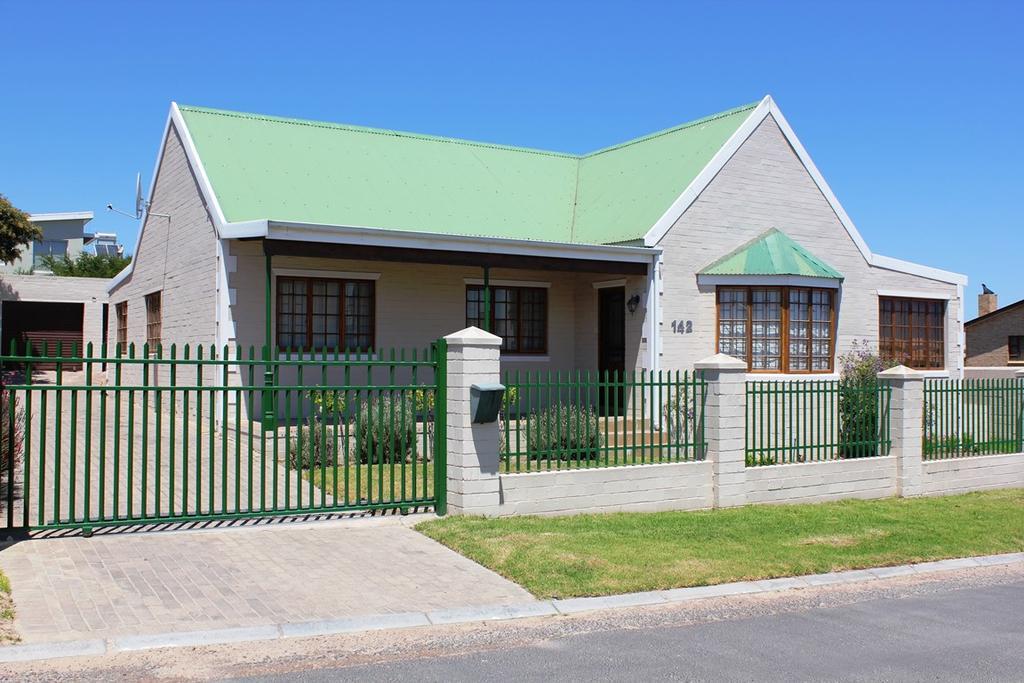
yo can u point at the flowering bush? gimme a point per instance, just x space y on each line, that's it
859 426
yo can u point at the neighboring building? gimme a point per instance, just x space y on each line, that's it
719 234
996 337
39 309
63 235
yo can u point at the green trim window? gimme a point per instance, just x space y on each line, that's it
778 329
324 314
912 332
1015 343
519 315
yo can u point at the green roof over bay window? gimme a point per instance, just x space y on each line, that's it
772 253
290 170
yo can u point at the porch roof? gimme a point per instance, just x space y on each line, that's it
266 168
772 253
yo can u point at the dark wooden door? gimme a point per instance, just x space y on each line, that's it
611 343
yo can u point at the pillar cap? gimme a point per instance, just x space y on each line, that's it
473 336
720 361
900 372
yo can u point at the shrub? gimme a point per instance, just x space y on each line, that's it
327 402
11 442
858 400
564 432
315 449
386 429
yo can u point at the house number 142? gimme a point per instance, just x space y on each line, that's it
682 326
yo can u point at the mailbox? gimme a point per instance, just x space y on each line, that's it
485 402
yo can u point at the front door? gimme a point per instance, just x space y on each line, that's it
611 344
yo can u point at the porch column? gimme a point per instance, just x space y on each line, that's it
473 449
906 425
724 425
487 299
268 370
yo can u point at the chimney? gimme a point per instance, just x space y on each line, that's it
987 301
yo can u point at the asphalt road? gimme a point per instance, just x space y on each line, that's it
967 634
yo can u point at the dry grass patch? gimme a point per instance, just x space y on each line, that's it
625 552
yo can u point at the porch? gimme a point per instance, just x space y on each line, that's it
568 313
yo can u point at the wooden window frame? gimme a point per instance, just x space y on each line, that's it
519 316
154 319
342 334
784 331
1018 341
121 318
911 328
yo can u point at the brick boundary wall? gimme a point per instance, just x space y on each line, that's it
720 480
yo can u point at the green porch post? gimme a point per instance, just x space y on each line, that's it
487 298
269 418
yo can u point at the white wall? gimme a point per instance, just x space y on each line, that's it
644 488
976 473
821 481
176 256
766 186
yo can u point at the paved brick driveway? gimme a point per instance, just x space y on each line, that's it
155 582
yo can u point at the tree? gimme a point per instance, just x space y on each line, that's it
16 231
86 265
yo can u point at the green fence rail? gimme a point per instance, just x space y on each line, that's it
796 421
965 417
176 434
567 420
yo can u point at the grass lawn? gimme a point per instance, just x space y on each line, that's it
372 474
626 552
7 632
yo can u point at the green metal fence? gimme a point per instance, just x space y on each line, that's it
563 420
797 421
179 434
965 417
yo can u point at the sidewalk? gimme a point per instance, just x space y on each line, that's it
137 584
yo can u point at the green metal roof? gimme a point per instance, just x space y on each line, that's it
773 253
270 168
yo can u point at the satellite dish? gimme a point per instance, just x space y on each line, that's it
140 203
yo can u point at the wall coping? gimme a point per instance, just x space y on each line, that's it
473 336
720 361
901 372
582 470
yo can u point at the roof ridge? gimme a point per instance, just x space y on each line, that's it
462 141
673 129
375 131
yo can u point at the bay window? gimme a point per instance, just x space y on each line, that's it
778 329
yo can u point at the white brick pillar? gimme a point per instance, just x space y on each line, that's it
724 425
906 427
473 449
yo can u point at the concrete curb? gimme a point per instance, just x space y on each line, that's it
465 615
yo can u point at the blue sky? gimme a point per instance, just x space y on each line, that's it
909 109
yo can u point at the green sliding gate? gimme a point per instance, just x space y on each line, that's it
187 433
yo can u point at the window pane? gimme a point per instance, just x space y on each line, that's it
732 322
766 328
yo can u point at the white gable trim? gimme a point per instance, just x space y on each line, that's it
704 178
123 275
766 108
221 227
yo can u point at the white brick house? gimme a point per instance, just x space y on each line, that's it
353 238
